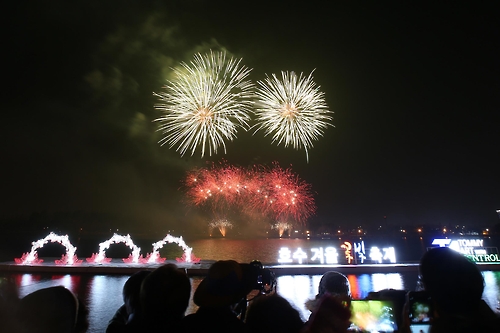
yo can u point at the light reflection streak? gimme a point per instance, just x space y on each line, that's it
103 299
297 290
491 293
353 281
365 286
68 281
387 281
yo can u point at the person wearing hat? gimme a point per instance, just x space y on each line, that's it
330 309
226 285
332 283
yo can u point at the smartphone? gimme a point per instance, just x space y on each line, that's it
372 316
420 311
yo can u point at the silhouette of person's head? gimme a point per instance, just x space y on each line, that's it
331 283
451 279
165 293
131 291
334 283
226 284
50 310
273 314
9 299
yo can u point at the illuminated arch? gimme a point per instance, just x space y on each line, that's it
187 256
68 258
101 256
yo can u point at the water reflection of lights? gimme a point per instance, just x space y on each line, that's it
491 294
297 290
68 281
99 300
386 281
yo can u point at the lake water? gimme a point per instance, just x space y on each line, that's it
103 293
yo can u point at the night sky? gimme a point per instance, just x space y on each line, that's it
414 89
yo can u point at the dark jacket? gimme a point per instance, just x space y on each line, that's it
220 320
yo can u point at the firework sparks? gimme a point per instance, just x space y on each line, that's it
222 185
274 192
292 109
205 104
222 225
68 258
286 195
281 227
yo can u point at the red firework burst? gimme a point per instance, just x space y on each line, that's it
221 185
287 196
272 191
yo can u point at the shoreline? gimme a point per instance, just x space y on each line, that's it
118 267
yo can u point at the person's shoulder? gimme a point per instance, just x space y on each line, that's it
192 323
213 321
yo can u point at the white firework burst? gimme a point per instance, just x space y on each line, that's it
292 109
205 104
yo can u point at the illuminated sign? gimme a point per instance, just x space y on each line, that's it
347 247
474 249
441 242
354 253
328 255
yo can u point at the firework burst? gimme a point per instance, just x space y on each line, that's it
274 192
292 109
222 225
220 186
281 227
205 104
286 195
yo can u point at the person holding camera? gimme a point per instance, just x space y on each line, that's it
218 296
454 286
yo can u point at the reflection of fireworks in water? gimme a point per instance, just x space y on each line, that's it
292 109
222 225
281 227
205 103
274 191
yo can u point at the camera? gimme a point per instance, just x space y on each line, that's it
259 278
256 278
420 311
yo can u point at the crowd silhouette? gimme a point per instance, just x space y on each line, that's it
232 298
